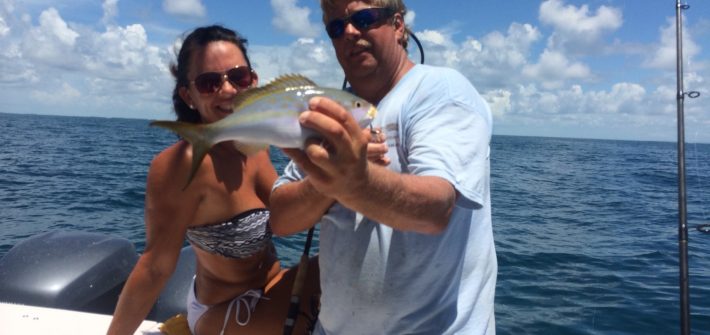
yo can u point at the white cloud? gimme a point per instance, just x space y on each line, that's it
186 8
110 8
65 95
123 50
664 56
4 29
434 37
533 80
499 101
80 70
294 20
51 41
409 18
576 29
493 62
313 58
553 69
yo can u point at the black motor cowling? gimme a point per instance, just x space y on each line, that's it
84 272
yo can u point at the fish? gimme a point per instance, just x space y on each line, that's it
264 116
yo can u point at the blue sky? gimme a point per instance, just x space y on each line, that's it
584 69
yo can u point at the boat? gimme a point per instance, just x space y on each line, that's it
68 282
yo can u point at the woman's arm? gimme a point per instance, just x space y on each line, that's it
167 213
265 176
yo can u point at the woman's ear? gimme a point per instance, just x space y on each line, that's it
254 79
185 96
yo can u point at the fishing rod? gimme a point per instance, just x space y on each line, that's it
682 202
298 286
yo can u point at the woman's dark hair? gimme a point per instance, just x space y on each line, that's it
195 41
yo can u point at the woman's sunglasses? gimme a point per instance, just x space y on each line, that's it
362 20
211 82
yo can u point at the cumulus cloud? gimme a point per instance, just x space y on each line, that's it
58 63
186 8
64 95
576 28
51 41
294 20
554 68
572 105
493 62
123 50
532 79
499 101
664 55
409 18
4 28
313 58
110 8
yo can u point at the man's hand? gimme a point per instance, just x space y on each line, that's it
337 164
377 146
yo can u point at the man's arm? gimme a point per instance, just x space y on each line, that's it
340 170
298 206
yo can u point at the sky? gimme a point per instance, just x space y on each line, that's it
602 69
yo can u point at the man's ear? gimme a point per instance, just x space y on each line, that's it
399 26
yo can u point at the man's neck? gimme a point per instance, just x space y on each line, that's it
376 87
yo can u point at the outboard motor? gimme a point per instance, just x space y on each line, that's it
67 269
85 272
173 298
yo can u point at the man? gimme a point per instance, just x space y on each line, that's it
407 248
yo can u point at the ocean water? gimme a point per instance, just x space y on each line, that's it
586 230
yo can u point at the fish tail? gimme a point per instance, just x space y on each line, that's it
196 135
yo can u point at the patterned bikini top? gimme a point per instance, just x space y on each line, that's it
239 237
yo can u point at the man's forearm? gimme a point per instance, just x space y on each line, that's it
296 207
405 202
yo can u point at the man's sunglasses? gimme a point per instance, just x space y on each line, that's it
362 20
211 82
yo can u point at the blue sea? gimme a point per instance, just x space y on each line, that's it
586 230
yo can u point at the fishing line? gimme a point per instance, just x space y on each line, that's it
697 168
684 274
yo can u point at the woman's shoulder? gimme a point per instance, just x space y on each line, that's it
175 154
171 164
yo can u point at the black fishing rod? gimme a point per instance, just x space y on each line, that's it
298 283
682 202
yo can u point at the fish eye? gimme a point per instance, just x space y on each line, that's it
358 104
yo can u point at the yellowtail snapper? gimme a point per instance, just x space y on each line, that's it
264 116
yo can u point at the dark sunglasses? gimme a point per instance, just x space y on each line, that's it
211 82
362 20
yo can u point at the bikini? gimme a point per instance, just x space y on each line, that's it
242 236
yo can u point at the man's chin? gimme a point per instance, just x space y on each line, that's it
361 65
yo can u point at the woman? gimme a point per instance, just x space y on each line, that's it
239 286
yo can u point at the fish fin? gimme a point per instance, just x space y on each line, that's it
196 135
249 149
279 84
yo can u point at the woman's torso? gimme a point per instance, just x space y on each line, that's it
228 184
